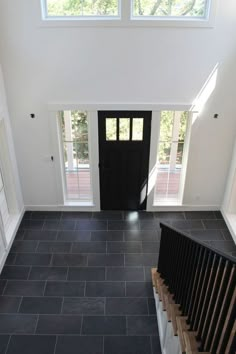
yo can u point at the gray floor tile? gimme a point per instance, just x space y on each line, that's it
11 259
2 285
156 346
142 325
67 224
76 215
149 225
151 307
207 235
127 345
31 344
141 235
91 225
214 224
89 247
139 289
105 289
106 260
79 345
40 235
9 304
54 247
124 247
191 215
48 273
51 224
141 259
15 272
33 259
84 306
138 215
150 247
59 324
224 246
17 323
188 224
64 288
24 246
87 273
125 273
74 236
32 224
4 339
70 260
108 215
24 288
123 225
107 236
126 306
163 215
42 304
104 325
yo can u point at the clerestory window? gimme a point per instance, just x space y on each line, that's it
130 12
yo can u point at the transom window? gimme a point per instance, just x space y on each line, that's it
128 12
171 8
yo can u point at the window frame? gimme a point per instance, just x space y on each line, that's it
126 19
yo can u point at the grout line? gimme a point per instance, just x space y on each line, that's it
204 228
82 320
30 269
103 344
151 345
5 287
8 344
126 324
19 304
36 324
85 287
45 288
62 304
55 345
67 273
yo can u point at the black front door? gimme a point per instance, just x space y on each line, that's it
124 144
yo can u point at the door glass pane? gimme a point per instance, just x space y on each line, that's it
111 129
137 133
124 128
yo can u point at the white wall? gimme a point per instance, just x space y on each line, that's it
118 65
17 204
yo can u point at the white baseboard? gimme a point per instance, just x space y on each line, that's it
87 207
184 207
68 207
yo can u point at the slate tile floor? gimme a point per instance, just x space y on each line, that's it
79 283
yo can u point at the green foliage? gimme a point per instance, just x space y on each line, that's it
169 8
194 8
79 125
166 133
82 7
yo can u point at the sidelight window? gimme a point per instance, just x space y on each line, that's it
75 148
170 158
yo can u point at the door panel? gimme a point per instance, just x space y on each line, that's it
124 144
